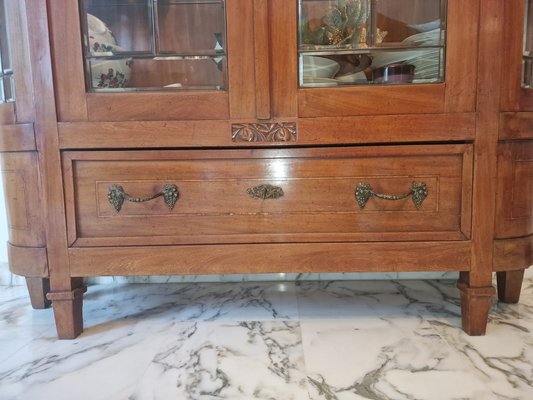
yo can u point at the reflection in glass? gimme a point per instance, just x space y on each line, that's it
362 42
155 45
527 56
7 90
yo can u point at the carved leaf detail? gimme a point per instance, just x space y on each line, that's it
264 132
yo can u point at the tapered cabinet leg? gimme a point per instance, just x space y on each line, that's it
68 312
38 288
510 285
475 306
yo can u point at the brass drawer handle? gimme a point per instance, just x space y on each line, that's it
116 196
418 192
264 192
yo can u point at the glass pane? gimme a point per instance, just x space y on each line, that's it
8 88
527 59
7 92
5 59
361 42
159 73
118 25
186 27
155 44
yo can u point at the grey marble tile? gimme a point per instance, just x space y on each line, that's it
228 360
98 365
504 356
15 309
192 301
337 340
380 358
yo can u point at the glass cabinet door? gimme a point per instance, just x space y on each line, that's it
371 42
168 45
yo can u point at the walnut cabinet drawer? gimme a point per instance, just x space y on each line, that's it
257 196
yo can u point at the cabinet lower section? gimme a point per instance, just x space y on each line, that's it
253 211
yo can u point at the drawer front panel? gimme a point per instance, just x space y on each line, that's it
313 195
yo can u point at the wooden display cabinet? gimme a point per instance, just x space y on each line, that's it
189 137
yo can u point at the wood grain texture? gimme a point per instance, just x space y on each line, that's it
67 58
511 75
7 114
311 131
386 129
144 134
18 137
28 261
485 150
516 125
68 310
514 201
513 254
375 100
318 200
47 144
271 258
510 285
284 67
24 204
461 55
475 306
262 58
157 106
38 288
241 66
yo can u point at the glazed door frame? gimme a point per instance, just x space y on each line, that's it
75 104
457 94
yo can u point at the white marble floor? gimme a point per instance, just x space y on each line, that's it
337 340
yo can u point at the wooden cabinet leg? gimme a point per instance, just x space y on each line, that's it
510 285
475 306
38 288
68 310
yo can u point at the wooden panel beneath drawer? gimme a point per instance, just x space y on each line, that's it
318 203
514 201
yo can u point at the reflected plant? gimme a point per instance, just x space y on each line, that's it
342 24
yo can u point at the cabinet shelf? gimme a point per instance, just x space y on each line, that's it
165 2
157 57
328 50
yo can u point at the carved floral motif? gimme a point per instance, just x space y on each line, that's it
264 132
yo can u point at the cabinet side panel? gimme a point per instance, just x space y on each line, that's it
23 201
514 213
516 125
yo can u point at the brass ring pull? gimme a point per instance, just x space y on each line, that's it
418 192
264 192
116 196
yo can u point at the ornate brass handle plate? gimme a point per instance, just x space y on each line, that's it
117 196
264 192
418 192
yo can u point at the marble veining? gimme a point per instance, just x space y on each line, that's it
231 360
295 340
